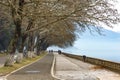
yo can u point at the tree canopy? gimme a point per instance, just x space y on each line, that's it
59 19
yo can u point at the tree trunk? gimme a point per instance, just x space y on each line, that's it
17 19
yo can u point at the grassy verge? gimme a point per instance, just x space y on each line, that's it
6 70
2 54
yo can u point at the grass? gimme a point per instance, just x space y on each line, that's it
6 70
96 67
2 54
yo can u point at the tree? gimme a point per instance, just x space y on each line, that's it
51 17
85 13
46 13
62 34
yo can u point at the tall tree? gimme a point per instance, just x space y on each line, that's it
47 13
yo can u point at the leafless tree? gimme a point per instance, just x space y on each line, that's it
46 14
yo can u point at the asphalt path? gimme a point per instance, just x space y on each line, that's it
40 70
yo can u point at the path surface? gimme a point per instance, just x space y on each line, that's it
72 69
40 70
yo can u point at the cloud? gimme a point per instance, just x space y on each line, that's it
116 27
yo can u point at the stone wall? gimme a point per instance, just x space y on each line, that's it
104 63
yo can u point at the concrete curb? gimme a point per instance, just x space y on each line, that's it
52 69
5 77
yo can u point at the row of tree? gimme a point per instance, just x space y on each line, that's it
38 24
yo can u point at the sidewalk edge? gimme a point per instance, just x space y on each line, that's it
52 69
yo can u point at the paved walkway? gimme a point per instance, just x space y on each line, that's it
72 69
40 70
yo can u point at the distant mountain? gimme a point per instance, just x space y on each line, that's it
107 34
73 50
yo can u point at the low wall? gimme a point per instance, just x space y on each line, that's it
104 63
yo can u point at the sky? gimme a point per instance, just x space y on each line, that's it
117 26
104 47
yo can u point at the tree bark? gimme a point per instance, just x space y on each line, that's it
17 19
